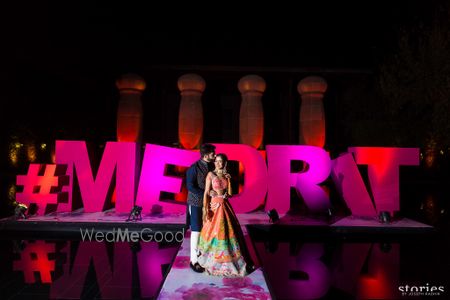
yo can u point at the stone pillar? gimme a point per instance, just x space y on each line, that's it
129 113
251 117
190 116
312 117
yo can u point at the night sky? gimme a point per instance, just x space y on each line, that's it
70 54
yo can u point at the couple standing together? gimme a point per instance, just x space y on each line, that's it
217 242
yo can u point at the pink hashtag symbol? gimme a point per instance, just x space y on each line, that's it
42 189
34 258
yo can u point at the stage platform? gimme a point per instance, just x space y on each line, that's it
183 283
70 224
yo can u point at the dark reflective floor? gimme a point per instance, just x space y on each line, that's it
302 266
298 265
42 269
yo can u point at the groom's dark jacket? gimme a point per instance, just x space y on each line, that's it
195 181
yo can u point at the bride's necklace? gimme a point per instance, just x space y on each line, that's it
219 173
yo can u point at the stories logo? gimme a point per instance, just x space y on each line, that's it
421 290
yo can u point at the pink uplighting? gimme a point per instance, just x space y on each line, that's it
153 180
350 185
275 179
118 157
384 172
308 183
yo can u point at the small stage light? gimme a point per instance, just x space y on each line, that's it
329 215
20 210
384 217
135 214
273 216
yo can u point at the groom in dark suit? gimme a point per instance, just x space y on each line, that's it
195 181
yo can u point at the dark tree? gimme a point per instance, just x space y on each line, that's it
415 83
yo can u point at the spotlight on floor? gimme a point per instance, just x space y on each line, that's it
135 214
273 216
384 217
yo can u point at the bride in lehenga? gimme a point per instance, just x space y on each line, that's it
222 247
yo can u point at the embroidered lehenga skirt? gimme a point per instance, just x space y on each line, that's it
221 243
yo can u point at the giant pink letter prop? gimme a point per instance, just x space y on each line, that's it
351 186
255 176
120 156
307 183
153 180
384 172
